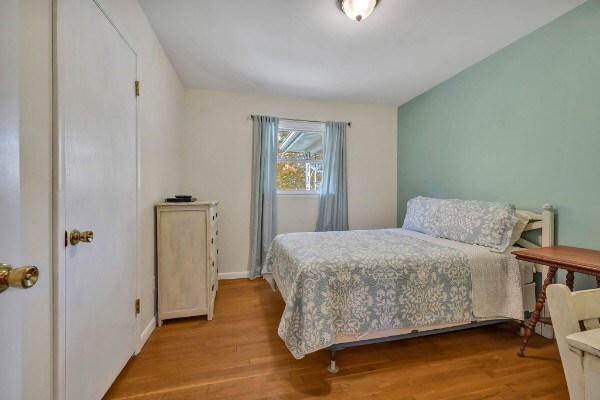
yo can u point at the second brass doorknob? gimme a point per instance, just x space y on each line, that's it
75 236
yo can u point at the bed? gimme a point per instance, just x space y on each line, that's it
344 289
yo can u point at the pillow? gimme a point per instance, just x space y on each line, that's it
523 220
468 221
421 213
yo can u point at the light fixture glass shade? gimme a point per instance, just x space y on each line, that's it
358 9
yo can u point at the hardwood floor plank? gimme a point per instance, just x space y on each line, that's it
494 392
239 356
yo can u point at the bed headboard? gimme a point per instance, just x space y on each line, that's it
543 221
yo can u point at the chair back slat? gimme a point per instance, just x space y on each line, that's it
587 305
590 324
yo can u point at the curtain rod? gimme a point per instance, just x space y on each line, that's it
303 120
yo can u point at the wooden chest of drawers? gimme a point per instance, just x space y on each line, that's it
187 250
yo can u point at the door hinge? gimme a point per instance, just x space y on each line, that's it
137 88
66 239
137 306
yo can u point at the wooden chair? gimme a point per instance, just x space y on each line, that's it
579 348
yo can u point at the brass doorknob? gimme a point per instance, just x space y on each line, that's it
24 277
75 236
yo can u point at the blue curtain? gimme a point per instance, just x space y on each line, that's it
333 205
264 190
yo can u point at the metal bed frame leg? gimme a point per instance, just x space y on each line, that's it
333 368
521 331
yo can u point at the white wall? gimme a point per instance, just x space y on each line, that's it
161 140
218 154
288 217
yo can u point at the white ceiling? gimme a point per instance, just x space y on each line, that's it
308 48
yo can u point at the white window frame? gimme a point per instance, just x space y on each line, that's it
301 193
293 125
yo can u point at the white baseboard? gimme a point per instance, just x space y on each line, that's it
147 332
233 275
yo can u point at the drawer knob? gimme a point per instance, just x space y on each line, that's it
217 251
213 263
212 240
216 214
213 217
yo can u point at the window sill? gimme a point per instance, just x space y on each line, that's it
298 193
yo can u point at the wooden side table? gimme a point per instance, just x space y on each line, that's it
571 259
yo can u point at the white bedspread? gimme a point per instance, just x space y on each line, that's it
496 279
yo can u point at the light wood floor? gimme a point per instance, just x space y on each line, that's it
239 355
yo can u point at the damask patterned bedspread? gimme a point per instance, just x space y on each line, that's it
359 281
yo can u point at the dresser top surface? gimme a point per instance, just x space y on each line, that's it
192 203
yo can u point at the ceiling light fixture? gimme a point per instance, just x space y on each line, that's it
358 9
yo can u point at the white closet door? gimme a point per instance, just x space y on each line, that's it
97 74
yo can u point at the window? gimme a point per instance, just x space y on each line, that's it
299 159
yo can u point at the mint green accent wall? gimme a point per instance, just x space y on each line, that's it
521 126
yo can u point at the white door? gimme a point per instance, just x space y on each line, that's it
14 368
11 375
97 120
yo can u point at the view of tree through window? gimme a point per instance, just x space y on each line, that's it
299 160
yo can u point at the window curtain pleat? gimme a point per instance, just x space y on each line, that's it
264 191
333 204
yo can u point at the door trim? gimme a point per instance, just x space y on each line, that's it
59 197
